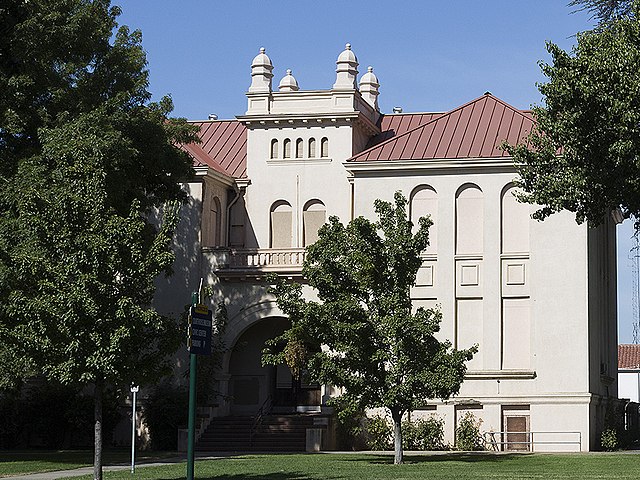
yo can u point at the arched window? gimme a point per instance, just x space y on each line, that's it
299 148
515 222
469 220
287 148
281 225
237 218
212 234
313 216
274 148
312 147
324 147
424 201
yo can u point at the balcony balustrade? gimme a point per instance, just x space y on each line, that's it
254 261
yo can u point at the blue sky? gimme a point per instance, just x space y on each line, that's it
428 55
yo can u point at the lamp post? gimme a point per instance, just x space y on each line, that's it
134 390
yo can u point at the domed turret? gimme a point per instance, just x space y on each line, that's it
288 83
369 88
347 55
261 75
262 59
347 70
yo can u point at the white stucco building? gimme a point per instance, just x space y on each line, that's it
629 372
539 298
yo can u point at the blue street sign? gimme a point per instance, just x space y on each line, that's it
199 330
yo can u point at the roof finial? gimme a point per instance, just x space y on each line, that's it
288 83
347 70
261 68
369 86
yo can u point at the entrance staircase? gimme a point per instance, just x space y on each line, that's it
275 433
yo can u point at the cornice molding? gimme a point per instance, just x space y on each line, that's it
219 177
434 166
299 161
269 120
243 182
201 171
289 118
500 374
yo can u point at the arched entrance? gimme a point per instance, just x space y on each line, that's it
251 384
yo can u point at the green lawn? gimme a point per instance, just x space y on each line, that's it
16 462
457 466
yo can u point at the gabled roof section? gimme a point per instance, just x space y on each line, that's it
223 147
473 130
629 356
392 125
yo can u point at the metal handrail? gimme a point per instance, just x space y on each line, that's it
530 439
264 409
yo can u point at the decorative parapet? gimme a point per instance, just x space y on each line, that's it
253 262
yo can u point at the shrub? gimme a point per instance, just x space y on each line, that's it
423 434
349 421
166 410
48 414
468 433
10 420
410 435
609 439
379 433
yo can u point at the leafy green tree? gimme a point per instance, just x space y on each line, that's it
583 152
361 334
85 162
605 11
14 368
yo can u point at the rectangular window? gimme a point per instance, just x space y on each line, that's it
281 229
313 220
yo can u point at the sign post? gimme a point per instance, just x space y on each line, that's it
198 343
199 333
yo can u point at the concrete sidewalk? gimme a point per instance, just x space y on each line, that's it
77 472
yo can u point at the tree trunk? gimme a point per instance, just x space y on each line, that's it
396 415
297 386
97 432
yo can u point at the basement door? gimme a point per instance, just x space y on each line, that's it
516 428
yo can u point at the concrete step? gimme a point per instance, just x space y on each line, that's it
281 433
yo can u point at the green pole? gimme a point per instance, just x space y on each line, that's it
192 407
192 416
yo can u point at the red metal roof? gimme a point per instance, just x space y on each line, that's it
223 147
398 123
629 356
473 130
